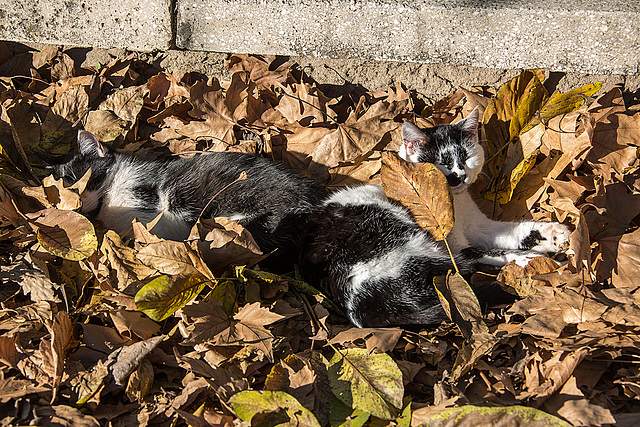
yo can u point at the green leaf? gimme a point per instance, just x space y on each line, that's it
273 408
164 295
480 416
404 420
369 382
225 293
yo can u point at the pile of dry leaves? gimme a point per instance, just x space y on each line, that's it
98 328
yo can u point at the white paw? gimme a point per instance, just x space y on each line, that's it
554 237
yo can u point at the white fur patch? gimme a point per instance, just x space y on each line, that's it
368 195
413 156
120 206
389 265
237 216
361 195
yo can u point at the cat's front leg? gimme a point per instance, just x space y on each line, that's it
541 237
497 257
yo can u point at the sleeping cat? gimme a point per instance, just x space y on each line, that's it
271 203
378 264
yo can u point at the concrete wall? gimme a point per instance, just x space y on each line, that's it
576 35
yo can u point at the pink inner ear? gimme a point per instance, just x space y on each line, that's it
101 149
410 146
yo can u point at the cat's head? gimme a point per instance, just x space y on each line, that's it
454 149
92 155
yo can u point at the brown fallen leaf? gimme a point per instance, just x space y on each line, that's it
423 189
66 234
222 243
618 259
377 339
54 351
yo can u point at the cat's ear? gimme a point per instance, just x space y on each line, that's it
470 123
89 144
413 138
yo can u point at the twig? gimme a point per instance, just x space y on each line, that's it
242 177
311 105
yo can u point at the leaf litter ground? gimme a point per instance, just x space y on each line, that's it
98 328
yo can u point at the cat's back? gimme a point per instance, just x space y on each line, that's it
371 257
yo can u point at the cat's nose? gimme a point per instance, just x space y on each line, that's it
454 180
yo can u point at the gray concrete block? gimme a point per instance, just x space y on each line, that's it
590 36
142 25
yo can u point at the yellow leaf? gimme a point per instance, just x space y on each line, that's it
423 189
503 194
562 103
164 295
527 108
486 416
271 408
369 382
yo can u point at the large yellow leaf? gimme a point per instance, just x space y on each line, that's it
423 189
470 415
369 382
273 408
562 103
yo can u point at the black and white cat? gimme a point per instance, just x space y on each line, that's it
271 203
378 264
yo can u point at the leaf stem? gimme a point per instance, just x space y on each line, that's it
453 260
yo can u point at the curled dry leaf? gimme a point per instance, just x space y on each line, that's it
423 189
126 359
222 242
66 234
377 339
522 281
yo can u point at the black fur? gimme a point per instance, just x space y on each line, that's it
337 237
531 240
273 200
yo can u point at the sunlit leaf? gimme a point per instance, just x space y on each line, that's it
369 382
562 103
470 415
163 296
423 189
527 107
248 404
503 193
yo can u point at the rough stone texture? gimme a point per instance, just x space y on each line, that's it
588 36
142 25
